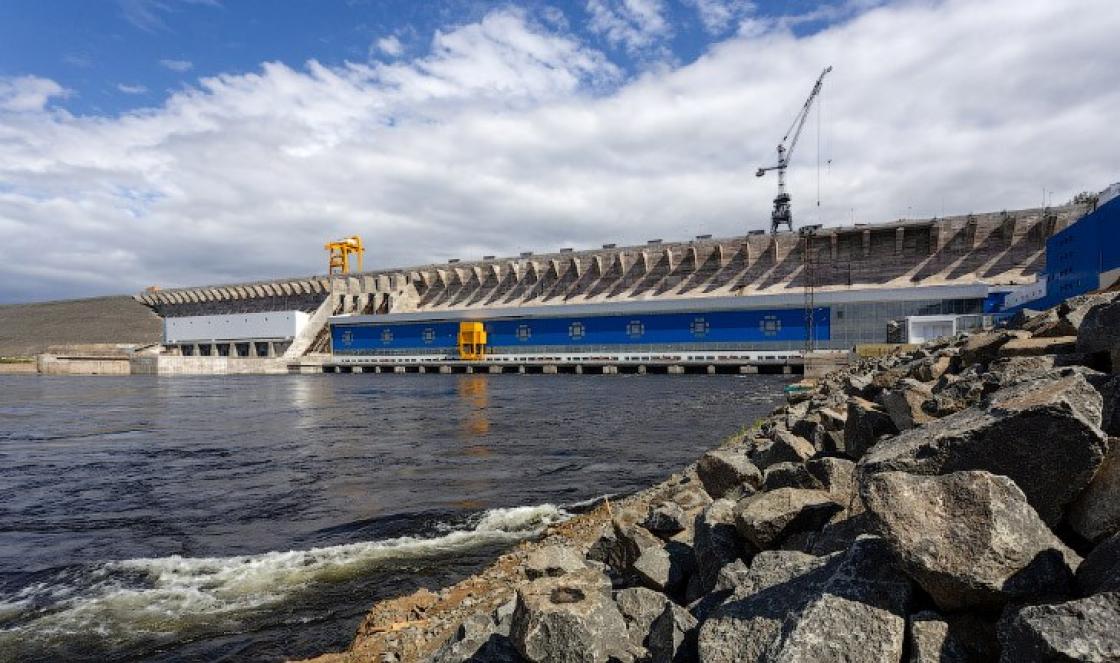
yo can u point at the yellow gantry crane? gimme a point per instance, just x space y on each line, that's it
340 252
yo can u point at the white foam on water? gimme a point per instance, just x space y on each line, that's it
212 594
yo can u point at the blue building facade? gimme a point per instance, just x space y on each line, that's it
638 331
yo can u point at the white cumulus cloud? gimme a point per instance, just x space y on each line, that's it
509 136
131 89
635 25
390 45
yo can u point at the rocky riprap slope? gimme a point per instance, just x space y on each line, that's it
957 503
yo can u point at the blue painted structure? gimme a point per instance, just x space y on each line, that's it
1077 257
511 334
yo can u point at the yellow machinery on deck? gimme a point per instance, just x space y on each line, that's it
341 251
472 340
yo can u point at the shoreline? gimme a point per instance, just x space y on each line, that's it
842 485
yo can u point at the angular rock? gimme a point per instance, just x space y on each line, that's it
840 532
970 539
1034 347
904 404
788 475
866 423
665 568
858 615
838 477
568 618
983 347
1100 328
640 607
778 583
1096 512
931 369
1100 572
857 384
469 641
666 519
553 561
673 636
716 542
784 447
1016 369
767 519
691 496
1080 630
728 472
1110 413
956 639
1043 434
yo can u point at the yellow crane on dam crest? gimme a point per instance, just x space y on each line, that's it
340 252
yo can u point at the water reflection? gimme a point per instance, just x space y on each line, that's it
475 394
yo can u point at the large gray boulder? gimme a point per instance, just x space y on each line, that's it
728 472
1043 434
665 568
778 583
904 403
1035 347
858 615
867 422
956 639
553 561
477 639
1100 572
1086 629
784 447
672 638
788 475
569 618
1100 329
767 519
970 539
837 476
1096 513
983 347
640 607
666 519
716 543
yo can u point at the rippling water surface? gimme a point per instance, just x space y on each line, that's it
257 518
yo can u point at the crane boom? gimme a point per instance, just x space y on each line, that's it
782 214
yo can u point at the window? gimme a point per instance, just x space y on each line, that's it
576 331
635 329
700 327
386 335
524 333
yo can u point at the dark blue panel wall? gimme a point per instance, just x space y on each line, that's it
640 329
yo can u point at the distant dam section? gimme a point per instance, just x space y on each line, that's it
719 304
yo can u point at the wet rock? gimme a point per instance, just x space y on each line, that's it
640 607
1033 347
778 583
969 538
568 618
1100 572
1080 630
716 543
672 638
784 447
858 614
767 519
865 424
956 639
788 475
728 472
1096 512
666 519
903 404
553 561
1043 434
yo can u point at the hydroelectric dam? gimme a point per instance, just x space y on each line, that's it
753 303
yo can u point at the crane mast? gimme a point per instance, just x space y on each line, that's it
782 214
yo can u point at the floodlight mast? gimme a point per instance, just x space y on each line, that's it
782 214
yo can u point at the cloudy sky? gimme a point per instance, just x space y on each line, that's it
180 142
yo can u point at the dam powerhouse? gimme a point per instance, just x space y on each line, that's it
777 302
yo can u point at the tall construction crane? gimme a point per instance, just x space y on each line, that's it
782 215
340 252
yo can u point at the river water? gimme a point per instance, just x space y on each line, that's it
258 518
